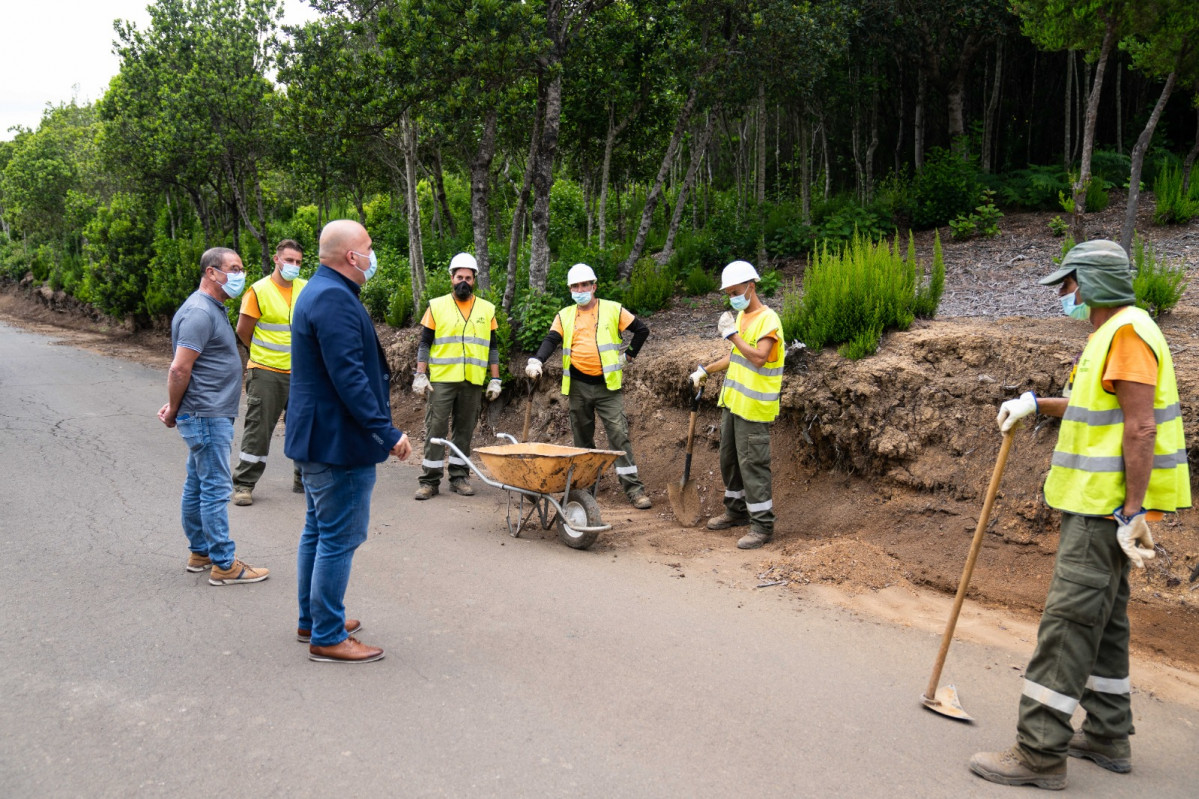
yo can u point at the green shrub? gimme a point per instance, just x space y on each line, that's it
174 268
378 292
769 283
1058 227
928 293
1115 167
1036 188
852 296
399 310
650 288
1096 198
1158 285
1067 245
699 282
534 313
963 227
1171 206
119 240
694 249
983 222
947 186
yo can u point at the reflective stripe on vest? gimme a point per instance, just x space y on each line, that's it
1087 472
607 341
752 392
460 348
270 344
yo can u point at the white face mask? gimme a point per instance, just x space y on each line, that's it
234 283
290 271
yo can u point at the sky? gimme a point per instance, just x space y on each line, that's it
55 50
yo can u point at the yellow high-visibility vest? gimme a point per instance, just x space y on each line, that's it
752 392
607 341
270 344
1087 475
460 343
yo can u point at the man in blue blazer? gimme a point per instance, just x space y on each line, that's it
338 427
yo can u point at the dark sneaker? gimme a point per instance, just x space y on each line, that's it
1008 768
426 491
350 650
641 501
305 636
198 563
237 573
242 495
460 485
297 484
753 539
724 521
1114 754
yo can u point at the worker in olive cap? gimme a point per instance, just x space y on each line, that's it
1120 462
458 346
592 369
750 398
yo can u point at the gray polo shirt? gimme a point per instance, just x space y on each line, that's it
200 324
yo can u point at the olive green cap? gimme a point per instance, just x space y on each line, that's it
1102 270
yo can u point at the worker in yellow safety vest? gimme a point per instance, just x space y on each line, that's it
264 327
750 398
457 348
1120 463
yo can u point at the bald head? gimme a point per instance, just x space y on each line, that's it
340 240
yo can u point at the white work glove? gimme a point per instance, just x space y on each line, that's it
494 388
421 384
533 368
1133 536
727 324
1012 411
699 377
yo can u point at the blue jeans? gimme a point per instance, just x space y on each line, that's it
339 510
209 483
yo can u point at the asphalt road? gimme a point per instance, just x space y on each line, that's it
513 668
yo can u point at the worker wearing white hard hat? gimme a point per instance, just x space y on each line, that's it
589 331
458 347
750 399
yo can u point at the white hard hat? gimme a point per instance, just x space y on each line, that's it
736 273
579 273
463 260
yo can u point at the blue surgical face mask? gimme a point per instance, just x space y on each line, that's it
234 283
1075 310
581 297
369 272
739 301
290 272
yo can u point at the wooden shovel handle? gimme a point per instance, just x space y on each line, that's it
975 546
524 432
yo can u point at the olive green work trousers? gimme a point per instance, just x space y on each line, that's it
458 403
266 399
745 469
1081 655
587 400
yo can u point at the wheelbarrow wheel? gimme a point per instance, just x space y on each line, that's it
581 510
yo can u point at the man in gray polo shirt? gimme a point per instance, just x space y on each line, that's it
203 388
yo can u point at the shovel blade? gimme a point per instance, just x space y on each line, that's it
946 703
684 501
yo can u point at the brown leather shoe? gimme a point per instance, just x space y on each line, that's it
350 650
305 636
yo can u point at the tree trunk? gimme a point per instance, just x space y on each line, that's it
873 146
808 142
899 115
609 143
698 147
918 122
439 183
1138 161
955 97
1088 136
243 211
1119 109
522 200
651 199
988 143
1190 159
543 184
480 185
760 194
416 255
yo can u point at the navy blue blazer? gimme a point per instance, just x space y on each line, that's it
339 407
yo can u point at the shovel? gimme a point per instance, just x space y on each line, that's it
524 431
945 700
684 499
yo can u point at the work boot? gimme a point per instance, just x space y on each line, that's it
1008 768
297 484
426 491
242 495
305 636
753 539
198 563
724 521
460 485
1114 754
641 501
237 573
350 650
